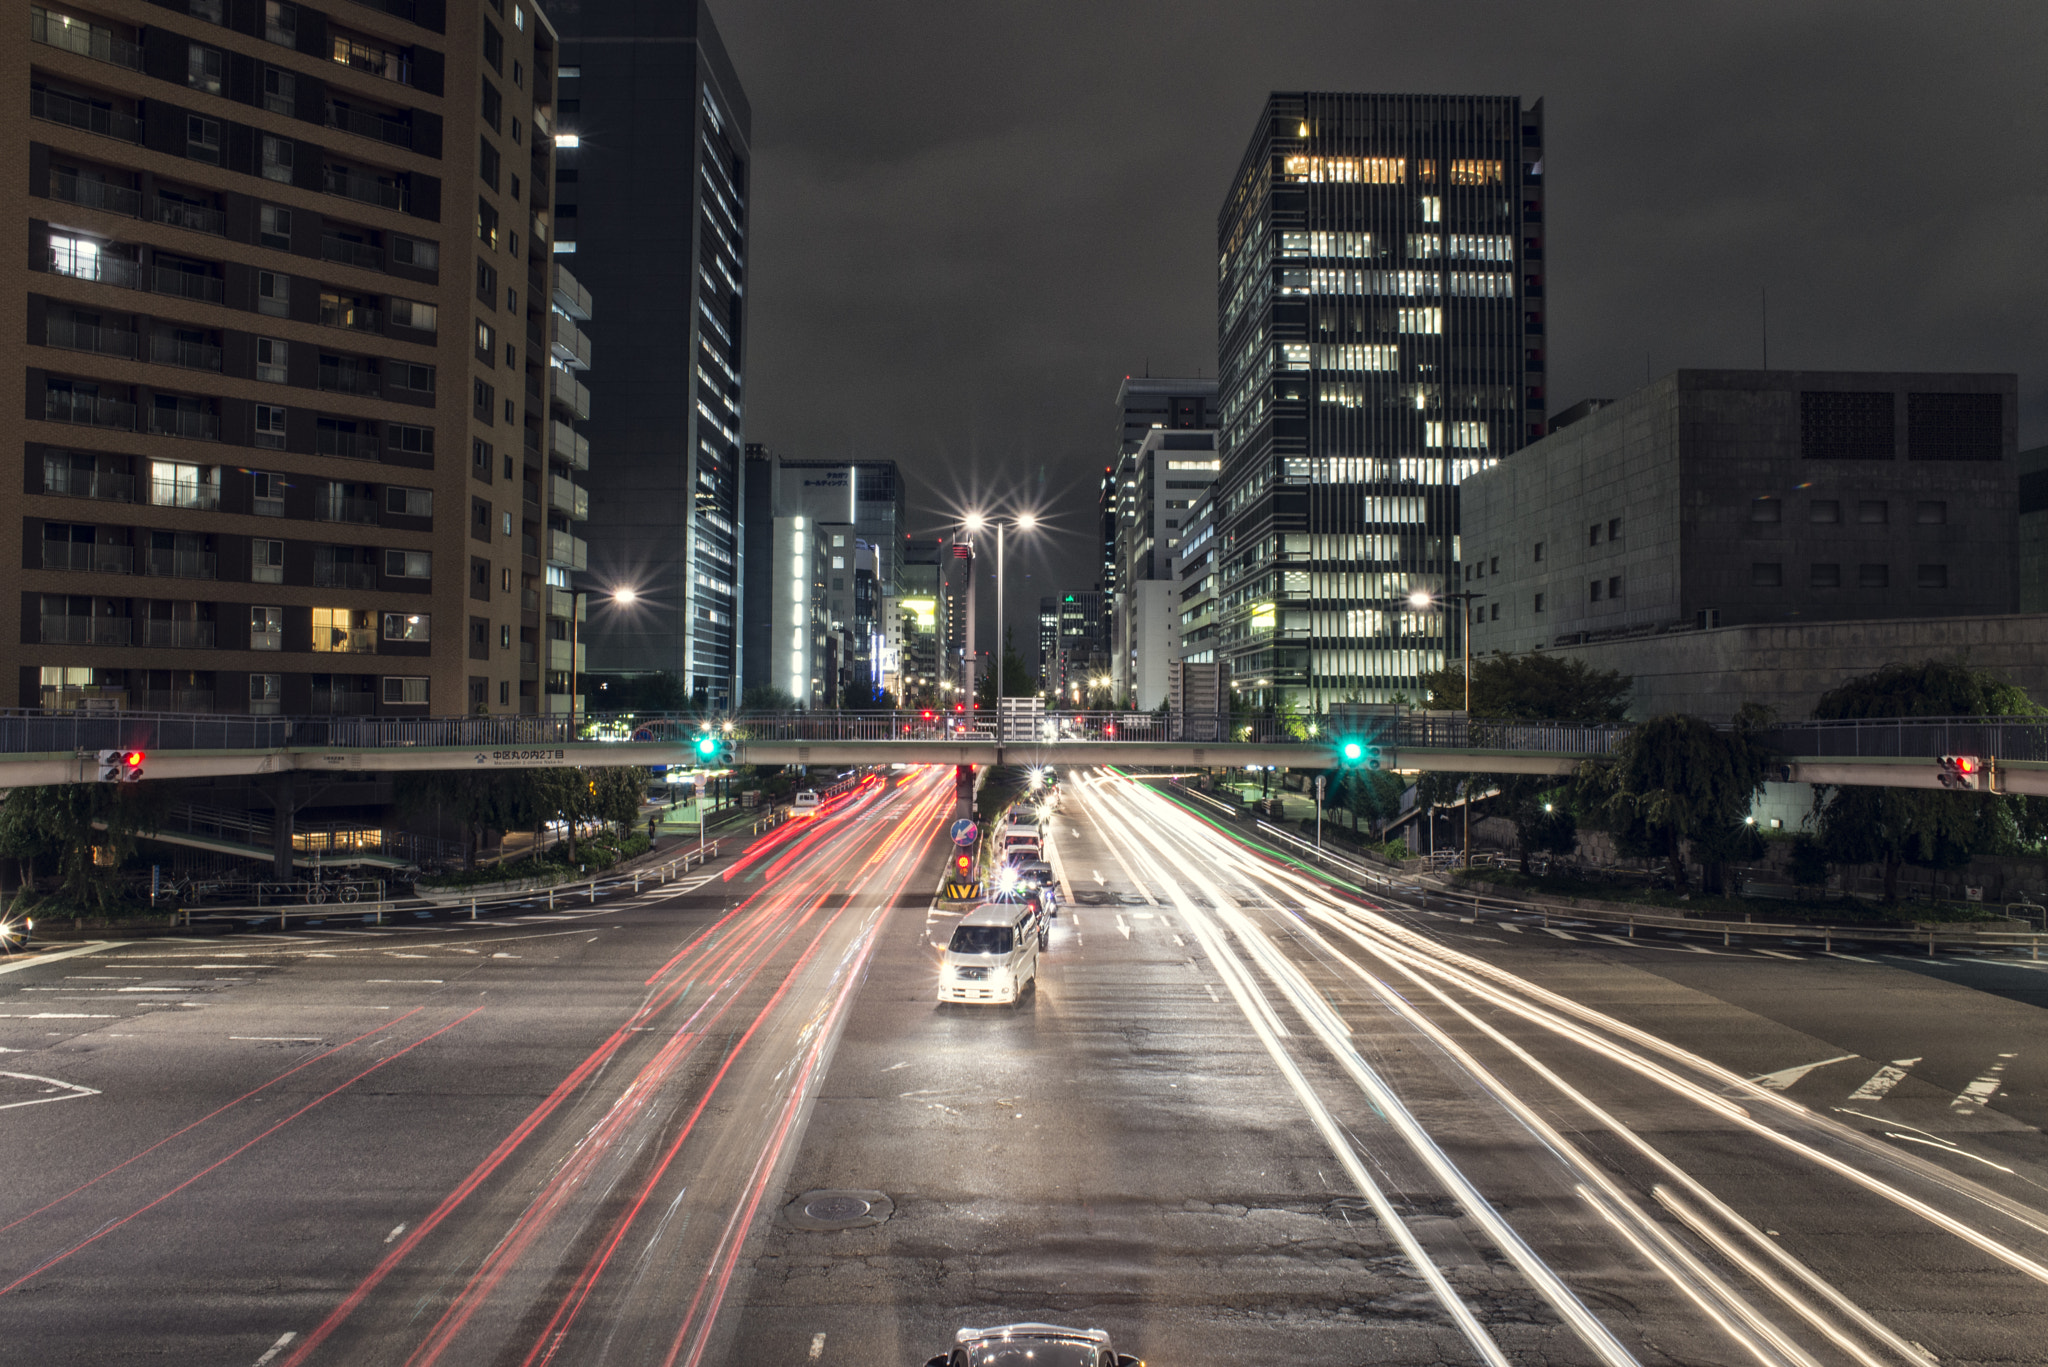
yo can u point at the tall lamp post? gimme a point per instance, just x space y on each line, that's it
975 522
1423 598
624 597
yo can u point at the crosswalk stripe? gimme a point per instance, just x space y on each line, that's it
1883 1080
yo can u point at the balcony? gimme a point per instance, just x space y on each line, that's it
186 284
86 40
344 704
101 341
352 253
197 217
88 410
568 445
333 509
169 563
180 422
88 631
95 194
182 635
564 603
165 350
356 445
88 557
570 295
368 189
348 379
93 118
365 124
566 497
564 549
391 66
571 347
356 316
171 493
558 655
66 479
328 575
177 700
571 393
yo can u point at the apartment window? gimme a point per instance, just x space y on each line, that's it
1495 615
511 357
266 628
479 640
480 519
410 251
274 227
1932 577
176 484
1930 514
1614 529
494 106
1873 512
79 257
405 691
347 631
274 294
1493 565
1824 576
204 68
406 375
505 581
479 689
487 283
486 224
1873 576
267 492
408 626
408 564
1594 591
278 154
483 399
1828 510
266 694
494 47
266 561
408 502
281 22
507 520
408 438
504 638
519 21
1766 575
280 91
1539 602
480 580
273 360
410 313
487 162
1539 552
1432 209
202 139
1614 586
1760 510
510 417
486 343
518 75
480 460
270 426
519 135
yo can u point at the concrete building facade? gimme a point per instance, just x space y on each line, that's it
1145 405
1158 485
1735 498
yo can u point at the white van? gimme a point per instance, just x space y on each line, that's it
992 956
1020 842
806 801
1021 817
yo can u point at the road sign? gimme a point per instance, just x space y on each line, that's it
965 832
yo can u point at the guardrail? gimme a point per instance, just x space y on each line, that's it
1926 938
375 912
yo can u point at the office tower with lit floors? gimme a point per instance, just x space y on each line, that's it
284 321
1380 338
652 194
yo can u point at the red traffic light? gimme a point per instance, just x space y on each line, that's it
1966 764
132 759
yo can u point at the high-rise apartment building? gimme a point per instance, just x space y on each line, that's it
652 192
960 671
1158 486
285 322
1380 337
1144 405
921 615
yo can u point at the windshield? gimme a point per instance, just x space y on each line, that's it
1037 1353
980 940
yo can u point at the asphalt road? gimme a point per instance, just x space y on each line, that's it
1247 1116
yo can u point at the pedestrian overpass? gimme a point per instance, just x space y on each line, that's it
63 747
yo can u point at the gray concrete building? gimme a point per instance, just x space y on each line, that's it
1158 485
1145 405
2033 530
1726 498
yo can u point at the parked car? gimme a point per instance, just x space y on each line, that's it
1032 1345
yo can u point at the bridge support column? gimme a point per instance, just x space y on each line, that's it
284 807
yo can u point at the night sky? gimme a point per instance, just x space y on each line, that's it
970 221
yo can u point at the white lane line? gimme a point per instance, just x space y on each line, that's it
52 956
68 1091
817 1346
406 982
1883 1080
1560 934
1980 1092
1505 926
1123 925
282 1039
53 1016
1212 995
278 1347
396 1231
1778 954
1852 958
1785 1077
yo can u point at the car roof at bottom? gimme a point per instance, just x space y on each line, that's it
993 914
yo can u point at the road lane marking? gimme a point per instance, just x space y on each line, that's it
55 1015
278 1347
1785 1077
406 982
52 956
817 1346
1853 958
1883 1080
1777 954
1123 925
70 1091
398 1230
1560 934
282 1039
1980 1092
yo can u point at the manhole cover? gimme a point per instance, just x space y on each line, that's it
828 1210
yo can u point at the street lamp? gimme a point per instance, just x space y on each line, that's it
625 596
1420 600
1024 522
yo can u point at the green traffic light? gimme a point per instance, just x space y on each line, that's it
706 746
1353 751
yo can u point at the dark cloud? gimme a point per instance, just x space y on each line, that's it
971 220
